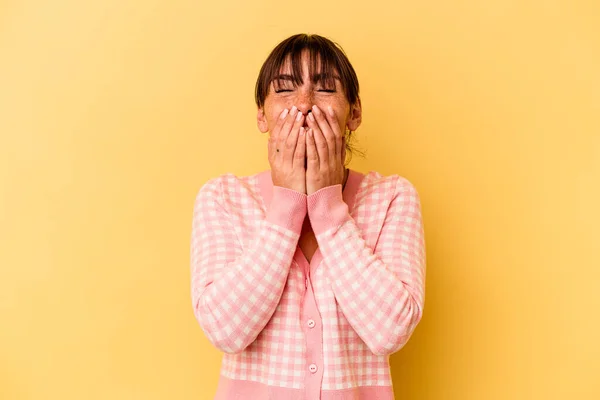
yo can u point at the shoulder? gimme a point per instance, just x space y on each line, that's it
386 187
228 188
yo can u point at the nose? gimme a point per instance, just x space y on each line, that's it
304 101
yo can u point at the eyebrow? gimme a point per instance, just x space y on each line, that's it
322 77
283 77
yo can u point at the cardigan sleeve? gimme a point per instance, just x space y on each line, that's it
236 290
381 290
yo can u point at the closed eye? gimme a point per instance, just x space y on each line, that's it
327 90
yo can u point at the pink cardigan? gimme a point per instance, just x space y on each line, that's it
290 329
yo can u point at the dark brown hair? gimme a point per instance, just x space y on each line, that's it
324 54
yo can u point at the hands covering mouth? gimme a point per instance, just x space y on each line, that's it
317 140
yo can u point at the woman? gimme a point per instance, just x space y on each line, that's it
308 275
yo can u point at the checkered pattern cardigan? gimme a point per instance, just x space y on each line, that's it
290 329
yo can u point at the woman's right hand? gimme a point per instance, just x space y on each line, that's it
287 165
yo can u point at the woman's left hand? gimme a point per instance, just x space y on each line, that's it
325 151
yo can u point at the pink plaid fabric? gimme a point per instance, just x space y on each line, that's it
290 329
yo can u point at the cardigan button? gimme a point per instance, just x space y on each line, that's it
312 368
311 323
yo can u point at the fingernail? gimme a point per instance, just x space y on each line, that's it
330 109
294 109
316 109
284 113
299 116
311 117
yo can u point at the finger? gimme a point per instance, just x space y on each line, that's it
290 146
275 134
312 157
291 143
327 132
299 121
290 119
320 142
300 152
333 123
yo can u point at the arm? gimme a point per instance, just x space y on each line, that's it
235 291
380 292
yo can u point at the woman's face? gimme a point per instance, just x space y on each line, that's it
286 95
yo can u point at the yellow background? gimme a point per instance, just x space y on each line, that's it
113 113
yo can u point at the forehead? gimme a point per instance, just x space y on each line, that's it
304 64
302 60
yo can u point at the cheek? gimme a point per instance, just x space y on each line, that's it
273 115
341 114
341 110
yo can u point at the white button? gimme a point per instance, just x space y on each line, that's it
311 323
312 368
